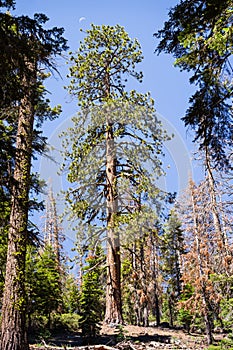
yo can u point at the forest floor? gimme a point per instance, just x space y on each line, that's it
128 338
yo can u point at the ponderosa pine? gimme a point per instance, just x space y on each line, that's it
115 133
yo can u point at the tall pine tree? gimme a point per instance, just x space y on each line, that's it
25 49
114 137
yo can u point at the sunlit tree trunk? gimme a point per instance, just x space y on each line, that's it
113 313
13 329
52 230
215 207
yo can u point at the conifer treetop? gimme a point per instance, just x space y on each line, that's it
102 64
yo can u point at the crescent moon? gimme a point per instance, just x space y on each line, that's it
81 19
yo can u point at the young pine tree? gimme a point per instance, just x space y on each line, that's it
91 307
43 283
172 247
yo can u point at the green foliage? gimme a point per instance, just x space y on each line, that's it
105 58
199 36
226 314
65 322
7 3
70 295
172 248
224 344
127 300
223 284
43 282
91 309
185 316
227 343
122 333
105 51
138 147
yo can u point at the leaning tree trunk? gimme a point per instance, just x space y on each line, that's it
13 329
113 313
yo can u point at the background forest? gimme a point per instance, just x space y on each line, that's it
142 255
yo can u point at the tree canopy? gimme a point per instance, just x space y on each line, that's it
113 151
199 35
102 63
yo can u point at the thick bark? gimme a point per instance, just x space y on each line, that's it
13 329
113 313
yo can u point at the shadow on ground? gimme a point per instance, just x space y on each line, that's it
75 339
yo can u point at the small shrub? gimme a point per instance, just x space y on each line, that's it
68 322
185 319
38 322
227 343
121 335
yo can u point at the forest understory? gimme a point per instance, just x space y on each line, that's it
130 337
127 220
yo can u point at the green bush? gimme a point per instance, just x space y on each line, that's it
67 322
227 313
184 318
38 322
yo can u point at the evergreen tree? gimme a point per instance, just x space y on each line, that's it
70 294
172 247
199 35
91 307
43 283
114 137
25 48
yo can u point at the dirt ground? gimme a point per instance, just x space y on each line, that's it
128 338
160 338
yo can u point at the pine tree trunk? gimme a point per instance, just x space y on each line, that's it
171 310
113 312
13 329
156 306
155 269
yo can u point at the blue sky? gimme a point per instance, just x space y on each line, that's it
168 86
